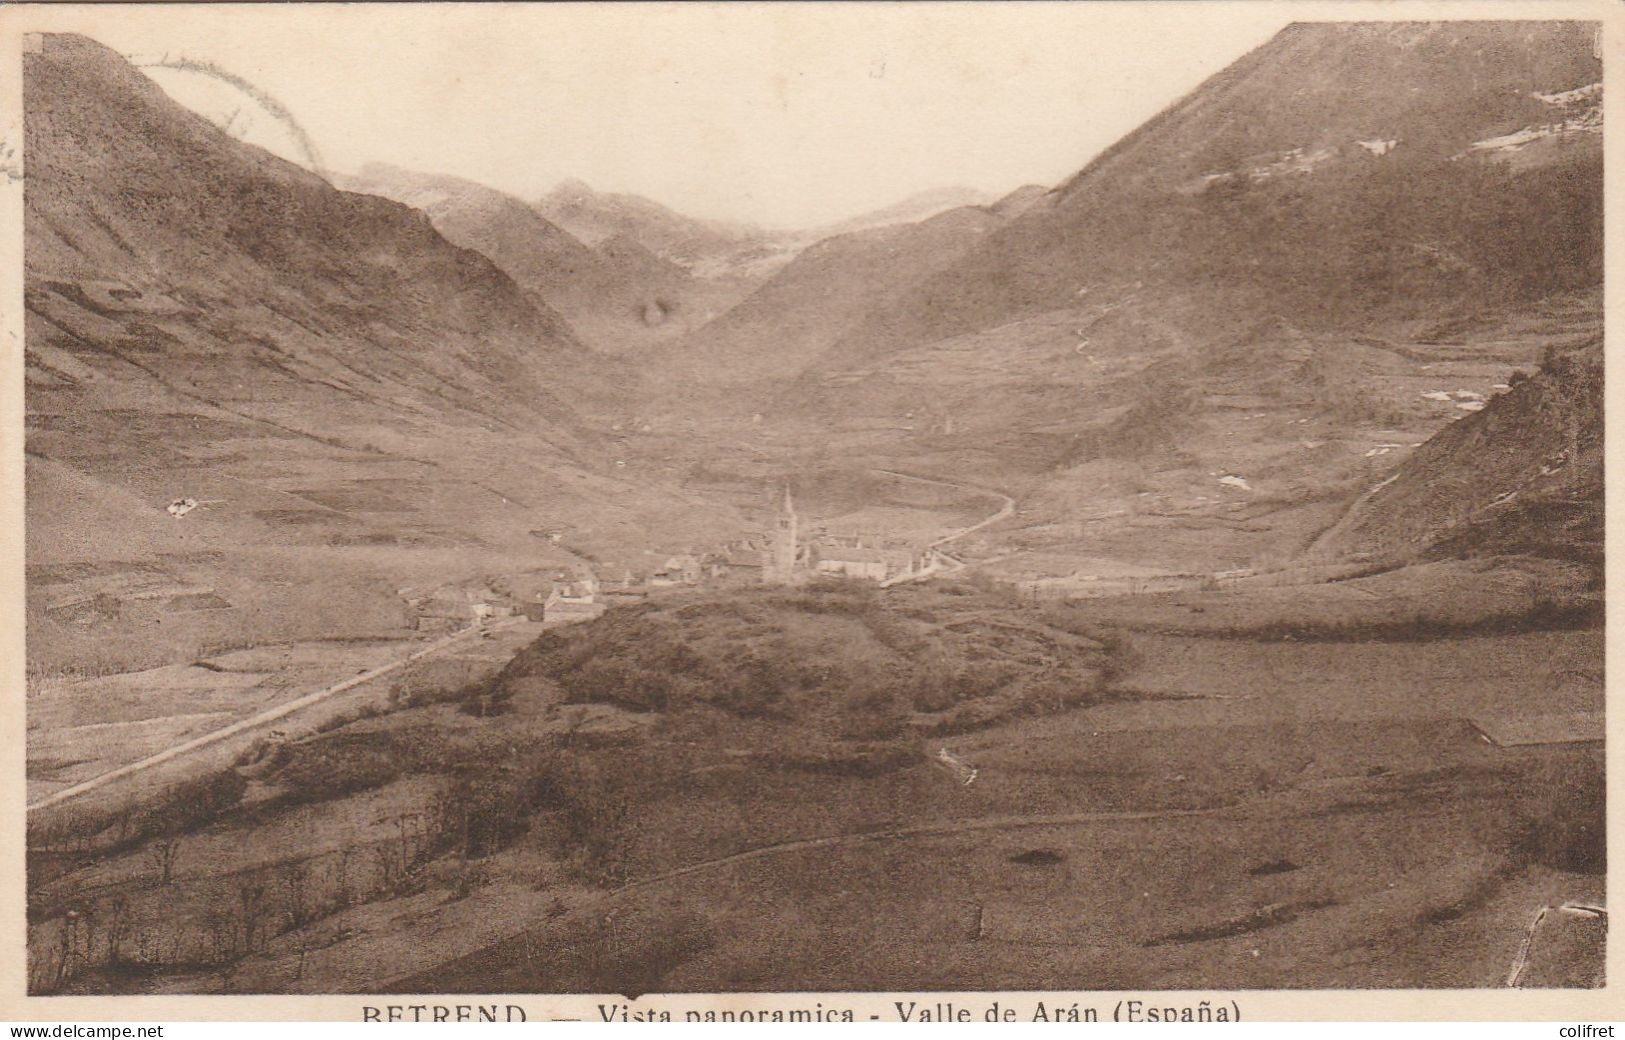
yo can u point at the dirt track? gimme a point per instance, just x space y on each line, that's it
1005 510
924 830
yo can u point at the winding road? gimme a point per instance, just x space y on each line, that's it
1004 510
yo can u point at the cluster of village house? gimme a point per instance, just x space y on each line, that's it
780 557
784 557
452 607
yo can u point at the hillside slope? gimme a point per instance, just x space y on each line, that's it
353 403
203 234
1338 169
922 205
1523 475
826 291
539 256
1254 305
153 239
617 278
593 216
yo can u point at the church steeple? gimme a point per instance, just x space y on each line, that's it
785 541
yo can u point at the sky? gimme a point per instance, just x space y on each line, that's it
777 115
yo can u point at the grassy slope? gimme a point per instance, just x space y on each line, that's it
607 286
1523 475
1326 245
356 400
831 286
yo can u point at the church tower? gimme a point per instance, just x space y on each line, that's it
783 565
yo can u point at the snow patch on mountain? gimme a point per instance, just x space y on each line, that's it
1570 97
1585 105
1296 160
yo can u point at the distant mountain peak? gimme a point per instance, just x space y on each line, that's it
922 205
614 275
573 188
594 216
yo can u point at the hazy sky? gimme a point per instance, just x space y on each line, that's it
781 115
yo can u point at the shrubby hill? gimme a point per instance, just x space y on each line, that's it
837 659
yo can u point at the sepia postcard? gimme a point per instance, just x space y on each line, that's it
806 512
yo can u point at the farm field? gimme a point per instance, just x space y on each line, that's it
1325 812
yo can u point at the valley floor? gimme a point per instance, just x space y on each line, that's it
1268 815
1233 813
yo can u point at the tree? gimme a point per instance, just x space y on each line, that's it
118 928
161 853
294 881
251 908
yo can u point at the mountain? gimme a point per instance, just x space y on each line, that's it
917 207
536 254
1312 263
1020 201
1522 475
827 290
1338 169
351 403
593 216
849 273
160 246
614 284
641 265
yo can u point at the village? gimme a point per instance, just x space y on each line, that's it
787 554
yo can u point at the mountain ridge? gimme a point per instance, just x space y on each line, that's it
1041 259
614 281
828 287
353 403
184 248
